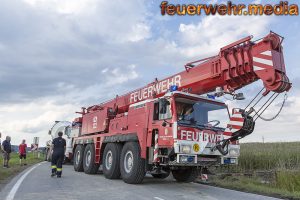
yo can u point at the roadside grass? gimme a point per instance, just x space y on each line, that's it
255 185
270 156
270 168
15 168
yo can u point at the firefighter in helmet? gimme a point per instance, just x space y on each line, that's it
183 110
59 148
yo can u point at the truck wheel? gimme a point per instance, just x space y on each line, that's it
78 158
111 160
185 175
132 166
89 165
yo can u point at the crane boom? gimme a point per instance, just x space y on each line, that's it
237 65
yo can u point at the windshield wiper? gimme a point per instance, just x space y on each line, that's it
198 125
188 122
209 127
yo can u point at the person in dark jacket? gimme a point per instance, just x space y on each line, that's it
59 148
6 149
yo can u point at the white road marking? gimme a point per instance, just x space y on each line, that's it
15 188
158 198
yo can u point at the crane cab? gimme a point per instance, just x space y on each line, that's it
188 126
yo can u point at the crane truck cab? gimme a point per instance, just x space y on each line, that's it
65 127
188 126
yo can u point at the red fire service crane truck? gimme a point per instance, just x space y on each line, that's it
176 124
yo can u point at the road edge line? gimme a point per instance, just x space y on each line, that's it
16 186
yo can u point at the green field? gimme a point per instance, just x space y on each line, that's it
15 168
268 168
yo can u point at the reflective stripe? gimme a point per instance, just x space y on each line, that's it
59 169
256 68
263 61
53 166
236 123
267 53
155 151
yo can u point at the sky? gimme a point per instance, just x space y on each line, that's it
60 55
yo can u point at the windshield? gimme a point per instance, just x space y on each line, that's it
60 126
202 113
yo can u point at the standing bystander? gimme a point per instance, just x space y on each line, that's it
22 152
6 148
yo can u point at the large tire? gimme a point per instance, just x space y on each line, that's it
185 175
132 166
78 158
89 165
111 160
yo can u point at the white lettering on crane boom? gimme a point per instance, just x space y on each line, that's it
157 88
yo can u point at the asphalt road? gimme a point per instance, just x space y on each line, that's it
36 183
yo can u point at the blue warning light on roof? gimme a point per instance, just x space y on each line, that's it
211 96
173 88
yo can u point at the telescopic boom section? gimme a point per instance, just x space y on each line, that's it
237 65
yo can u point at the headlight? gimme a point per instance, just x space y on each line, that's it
234 152
186 149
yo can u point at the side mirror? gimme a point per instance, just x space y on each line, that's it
49 132
239 96
163 103
67 131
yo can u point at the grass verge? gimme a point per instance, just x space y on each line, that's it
255 185
265 168
7 173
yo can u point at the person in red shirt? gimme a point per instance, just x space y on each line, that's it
22 152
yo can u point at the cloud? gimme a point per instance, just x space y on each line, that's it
63 6
213 32
48 44
101 18
27 120
35 118
284 127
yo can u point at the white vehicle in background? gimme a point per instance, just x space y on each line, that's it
65 127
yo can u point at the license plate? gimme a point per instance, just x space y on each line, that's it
229 160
